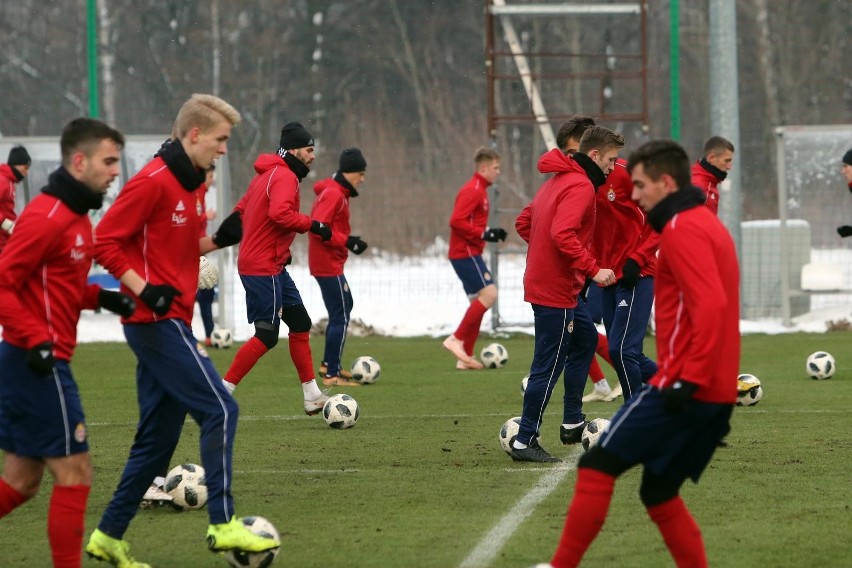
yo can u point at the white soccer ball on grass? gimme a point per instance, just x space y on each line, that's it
243 559
222 338
366 370
593 432
820 365
749 390
494 356
187 485
341 411
508 433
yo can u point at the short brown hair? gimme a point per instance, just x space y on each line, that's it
204 112
660 157
574 127
600 138
717 145
484 154
83 135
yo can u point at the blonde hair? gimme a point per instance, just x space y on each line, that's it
204 112
484 154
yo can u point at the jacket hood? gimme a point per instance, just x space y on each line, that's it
266 162
555 162
321 185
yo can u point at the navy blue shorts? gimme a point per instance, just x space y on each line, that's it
40 416
673 445
266 295
473 273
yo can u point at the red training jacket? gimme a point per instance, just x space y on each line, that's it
271 217
469 219
709 184
7 199
621 230
43 273
558 225
332 208
698 306
154 227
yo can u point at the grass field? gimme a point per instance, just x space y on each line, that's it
422 482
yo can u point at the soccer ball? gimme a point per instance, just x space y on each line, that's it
508 433
222 338
820 365
524 383
749 391
592 432
187 486
243 559
366 370
341 411
494 355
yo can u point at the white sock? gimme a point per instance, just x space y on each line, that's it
159 481
230 386
602 386
569 426
519 446
311 390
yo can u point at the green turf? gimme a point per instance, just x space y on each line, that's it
421 480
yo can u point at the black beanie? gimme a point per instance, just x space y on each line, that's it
352 160
847 157
18 156
294 135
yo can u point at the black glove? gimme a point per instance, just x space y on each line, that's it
230 231
116 302
159 297
844 231
355 244
630 273
321 229
494 235
40 358
676 397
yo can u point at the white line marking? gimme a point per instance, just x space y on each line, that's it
489 547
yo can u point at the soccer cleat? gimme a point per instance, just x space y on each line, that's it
314 406
323 371
614 394
107 549
455 346
597 396
462 366
155 497
340 382
533 453
571 435
235 536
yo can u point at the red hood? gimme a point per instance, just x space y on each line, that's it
555 162
321 185
266 162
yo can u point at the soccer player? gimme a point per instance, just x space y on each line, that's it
150 239
271 219
713 168
846 169
326 258
674 424
468 234
205 296
558 225
43 272
14 171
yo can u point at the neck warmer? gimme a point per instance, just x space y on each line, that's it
75 194
338 177
295 164
181 166
674 203
592 170
719 174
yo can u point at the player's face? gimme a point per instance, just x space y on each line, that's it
846 170
605 160
571 146
304 155
356 178
99 169
724 160
206 146
23 169
647 192
489 170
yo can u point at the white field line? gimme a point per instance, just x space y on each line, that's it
489 547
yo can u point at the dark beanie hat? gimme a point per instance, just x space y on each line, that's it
18 156
352 160
847 157
294 135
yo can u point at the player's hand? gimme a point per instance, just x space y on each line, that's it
355 244
159 297
321 229
494 235
40 358
208 274
677 396
843 230
7 225
604 277
630 273
230 231
116 302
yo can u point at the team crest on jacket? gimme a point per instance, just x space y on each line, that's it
610 194
571 326
80 432
178 217
487 276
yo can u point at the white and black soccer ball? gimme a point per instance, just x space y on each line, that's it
508 433
244 559
593 431
524 382
820 365
341 411
749 390
222 337
366 370
494 356
187 485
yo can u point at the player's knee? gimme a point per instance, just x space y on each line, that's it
601 460
266 334
655 490
488 295
296 318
